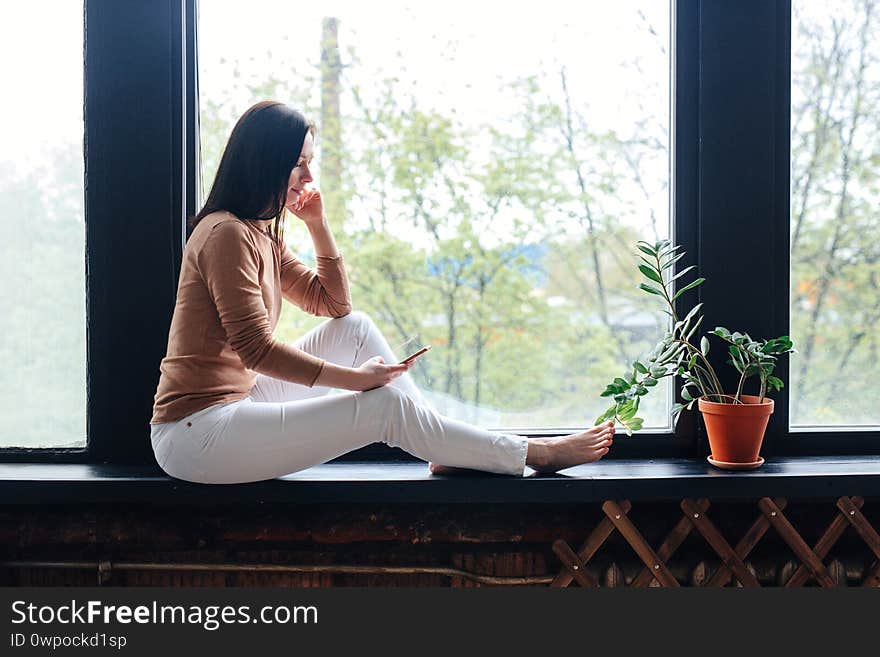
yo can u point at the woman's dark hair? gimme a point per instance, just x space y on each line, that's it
251 181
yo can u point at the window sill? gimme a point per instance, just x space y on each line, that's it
407 482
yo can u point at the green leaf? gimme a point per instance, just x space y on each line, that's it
704 345
737 358
649 382
688 287
686 322
682 272
645 248
779 345
692 362
667 251
628 412
666 265
650 289
650 273
694 328
640 367
610 390
694 310
686 395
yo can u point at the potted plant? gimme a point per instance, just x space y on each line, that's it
735 423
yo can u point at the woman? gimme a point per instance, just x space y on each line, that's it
233 405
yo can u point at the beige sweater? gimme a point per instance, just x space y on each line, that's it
228 302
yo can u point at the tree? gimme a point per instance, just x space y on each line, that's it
835 193
507 246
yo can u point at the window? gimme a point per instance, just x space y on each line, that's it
42 244
835 224
731 134
487 170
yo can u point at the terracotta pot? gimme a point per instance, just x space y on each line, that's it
736 431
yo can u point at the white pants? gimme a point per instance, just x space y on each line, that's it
284 427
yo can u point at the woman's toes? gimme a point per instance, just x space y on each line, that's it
438 469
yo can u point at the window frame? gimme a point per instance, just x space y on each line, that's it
141 95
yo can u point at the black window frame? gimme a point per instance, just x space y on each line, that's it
730 89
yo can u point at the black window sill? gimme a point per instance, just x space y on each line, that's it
408 482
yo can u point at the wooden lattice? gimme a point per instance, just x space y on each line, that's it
733 565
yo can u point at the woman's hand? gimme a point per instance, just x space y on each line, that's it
372 374
375 373
308 207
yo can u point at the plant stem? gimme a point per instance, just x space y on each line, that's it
739 387
663 285
716 384
713 382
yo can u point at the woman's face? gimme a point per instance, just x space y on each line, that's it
301 174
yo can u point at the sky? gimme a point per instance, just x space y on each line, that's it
41 47
486 37
459 59
455 51
456 56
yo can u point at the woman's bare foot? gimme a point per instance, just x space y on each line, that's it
436 468
553 454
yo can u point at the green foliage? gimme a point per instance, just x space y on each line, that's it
754 357
676 355
835 150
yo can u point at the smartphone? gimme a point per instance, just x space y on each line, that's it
415 355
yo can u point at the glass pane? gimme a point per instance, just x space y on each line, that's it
42 243
835 223
42 266
487 170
